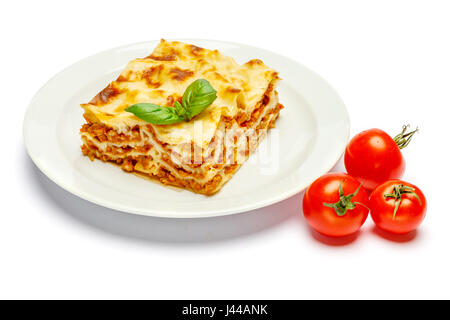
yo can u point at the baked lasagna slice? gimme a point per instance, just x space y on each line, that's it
202 154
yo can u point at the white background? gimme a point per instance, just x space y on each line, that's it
389 61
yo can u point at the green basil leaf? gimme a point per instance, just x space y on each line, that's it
155 114
181 111
198 95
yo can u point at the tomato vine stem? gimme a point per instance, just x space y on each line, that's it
404 138
345 202
397 193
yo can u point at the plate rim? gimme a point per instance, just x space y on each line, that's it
176 214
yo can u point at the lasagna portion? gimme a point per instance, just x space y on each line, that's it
202 154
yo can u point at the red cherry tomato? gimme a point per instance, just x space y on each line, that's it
373 157
397 206
336 205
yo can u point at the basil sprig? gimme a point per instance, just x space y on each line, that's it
197 96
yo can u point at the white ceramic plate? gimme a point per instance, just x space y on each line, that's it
312 132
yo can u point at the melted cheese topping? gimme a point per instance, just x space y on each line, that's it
162 78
